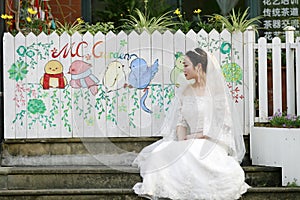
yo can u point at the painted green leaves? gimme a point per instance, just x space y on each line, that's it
18 70
232 73
36 106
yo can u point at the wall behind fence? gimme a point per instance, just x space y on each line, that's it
85 86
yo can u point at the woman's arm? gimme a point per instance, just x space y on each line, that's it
181 132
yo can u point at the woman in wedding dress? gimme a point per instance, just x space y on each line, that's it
202 145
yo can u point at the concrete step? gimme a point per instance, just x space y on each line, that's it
256 193
89 177
70 194
72 151
78 151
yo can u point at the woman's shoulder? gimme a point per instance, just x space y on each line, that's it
187 91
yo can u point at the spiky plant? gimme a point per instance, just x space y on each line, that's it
150 24
237 21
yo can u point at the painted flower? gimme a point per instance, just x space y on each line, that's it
21 51
122 108
232 73
18 70
30 53
90 121
225 48
36 106
198 11
31 11
177 11
28 19
123 43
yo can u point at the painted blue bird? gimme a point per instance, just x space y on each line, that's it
140 77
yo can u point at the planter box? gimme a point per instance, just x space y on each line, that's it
279 147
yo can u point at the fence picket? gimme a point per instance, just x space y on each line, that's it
66 93
123 98
9 87
90 93
99 56
290 70
276 74
112 103
31 80
214 43
298 74
191 40
262 79
237 78
145 53
21 87
203 40
134 106
157 88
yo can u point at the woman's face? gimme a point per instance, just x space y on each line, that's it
190 72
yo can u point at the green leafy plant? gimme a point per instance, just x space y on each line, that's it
25 18
103 27
207 24
237 21
183 24
293 184
144 22
284 120
82 27
114 10
70 28
199 22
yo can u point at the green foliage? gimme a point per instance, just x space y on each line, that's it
18 70
70 28
117 10
237 21
284 120
82 27
199 22
103 27
144 22
292 184
25 18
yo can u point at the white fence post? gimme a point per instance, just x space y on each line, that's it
298 74
276 74
290 71
249 60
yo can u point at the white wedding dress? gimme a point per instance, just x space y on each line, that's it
174 169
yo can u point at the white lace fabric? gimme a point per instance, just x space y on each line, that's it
196 169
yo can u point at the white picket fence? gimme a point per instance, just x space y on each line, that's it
274 86
108 109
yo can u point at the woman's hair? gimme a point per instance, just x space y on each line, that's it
198 56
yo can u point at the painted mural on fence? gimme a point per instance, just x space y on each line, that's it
125 87
232 72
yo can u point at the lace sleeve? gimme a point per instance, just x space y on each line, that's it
180 119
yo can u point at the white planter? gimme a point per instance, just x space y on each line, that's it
279 147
